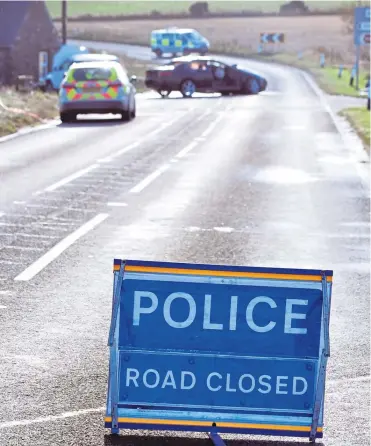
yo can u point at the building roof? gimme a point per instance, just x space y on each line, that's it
12 15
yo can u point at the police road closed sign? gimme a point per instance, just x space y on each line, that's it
243 348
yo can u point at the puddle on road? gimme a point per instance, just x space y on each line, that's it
278 175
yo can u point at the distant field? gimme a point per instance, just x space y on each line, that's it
105 7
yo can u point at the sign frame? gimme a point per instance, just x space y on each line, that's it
122 414
361 25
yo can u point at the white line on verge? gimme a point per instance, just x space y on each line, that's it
186 149
70 178
54 252
9 424
148 180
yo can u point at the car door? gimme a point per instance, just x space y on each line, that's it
223 77
200 74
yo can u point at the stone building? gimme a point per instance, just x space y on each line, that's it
26 33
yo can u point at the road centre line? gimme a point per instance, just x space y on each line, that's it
70 178
211 126
187 149
148 180
59 248
10 424
116 204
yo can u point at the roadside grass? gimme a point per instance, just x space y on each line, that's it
30 109
78 8
22 109
360 120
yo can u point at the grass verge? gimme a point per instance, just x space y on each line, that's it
360 121
21 109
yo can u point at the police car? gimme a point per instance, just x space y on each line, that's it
97 87
176 41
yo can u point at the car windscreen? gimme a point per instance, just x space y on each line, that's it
194 36
89 74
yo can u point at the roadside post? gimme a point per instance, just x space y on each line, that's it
368 94
322 60
340 73
361 33
218 349
352 75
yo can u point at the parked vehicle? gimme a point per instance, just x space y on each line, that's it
178 41
203 74
97 87
64 58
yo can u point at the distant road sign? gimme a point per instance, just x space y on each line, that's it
362 25
192 345
272 38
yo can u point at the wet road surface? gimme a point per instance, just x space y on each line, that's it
262 181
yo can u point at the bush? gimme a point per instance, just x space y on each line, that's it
294 8
199 9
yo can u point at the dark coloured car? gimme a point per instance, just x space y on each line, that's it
205 75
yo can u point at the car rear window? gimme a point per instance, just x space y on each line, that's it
88 74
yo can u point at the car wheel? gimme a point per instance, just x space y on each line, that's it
187 88
67 117
134 112
49 87
158 53
126 115
251 86
164 93
225 93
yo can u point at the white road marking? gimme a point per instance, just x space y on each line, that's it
77 413
186 149
2 307
116 204
148 180
211 126
54 252
70 178
2 213
223 229
19 202
23 248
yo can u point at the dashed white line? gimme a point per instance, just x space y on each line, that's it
187 149
148 180
2 213
2 307
70 178
59 248
116 204
10 424
211 126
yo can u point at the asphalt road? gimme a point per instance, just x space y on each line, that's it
264 181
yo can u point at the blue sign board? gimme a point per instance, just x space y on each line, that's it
362 25
206 347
